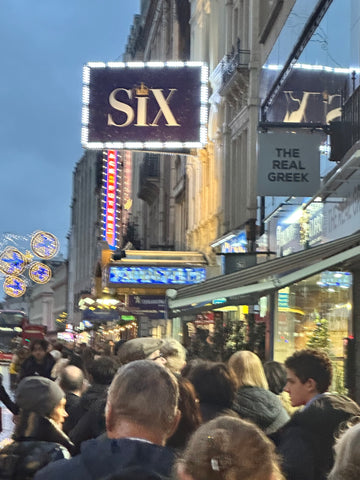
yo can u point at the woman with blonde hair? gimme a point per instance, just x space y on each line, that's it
253 400
228 448
347 456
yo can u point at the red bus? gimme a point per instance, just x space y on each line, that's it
16 330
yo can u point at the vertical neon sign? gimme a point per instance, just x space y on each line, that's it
110 198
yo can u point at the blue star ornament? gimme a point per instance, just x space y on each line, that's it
12 261
14 286
39 272
44 244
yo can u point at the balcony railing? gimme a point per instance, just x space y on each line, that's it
234 60
345 133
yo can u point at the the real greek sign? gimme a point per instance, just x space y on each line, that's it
288 164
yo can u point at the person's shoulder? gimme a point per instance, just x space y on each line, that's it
60 469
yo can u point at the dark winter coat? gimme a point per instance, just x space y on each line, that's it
102 457
305 444
44 443
31 367
91 421
262 407
74 411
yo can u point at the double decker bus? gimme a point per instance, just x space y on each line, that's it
16 330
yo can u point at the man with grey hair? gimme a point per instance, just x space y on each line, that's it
141 413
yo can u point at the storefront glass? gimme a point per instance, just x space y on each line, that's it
315 313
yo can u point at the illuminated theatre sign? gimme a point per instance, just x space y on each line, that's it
144 275
111 195
137 105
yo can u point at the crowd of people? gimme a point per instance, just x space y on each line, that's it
146 413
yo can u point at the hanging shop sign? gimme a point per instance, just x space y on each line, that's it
288 164
155 106
156 275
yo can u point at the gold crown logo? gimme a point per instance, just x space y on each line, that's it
142 91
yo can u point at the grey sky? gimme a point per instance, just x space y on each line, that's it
43 47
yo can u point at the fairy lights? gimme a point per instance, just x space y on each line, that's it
13 262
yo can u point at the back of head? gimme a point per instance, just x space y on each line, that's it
347 458
248 369
229 448
275 373
214 383
313 364
38 394
103 369
190 418
175 354
71 379
138 349
145 394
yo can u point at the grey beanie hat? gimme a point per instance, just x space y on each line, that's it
138 349
38 394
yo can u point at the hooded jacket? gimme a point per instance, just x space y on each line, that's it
306 443
262 407
102 457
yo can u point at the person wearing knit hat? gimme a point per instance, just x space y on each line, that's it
142 348
38 437
39 394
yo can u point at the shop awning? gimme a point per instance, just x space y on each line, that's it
251 283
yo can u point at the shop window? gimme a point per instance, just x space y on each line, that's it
315 313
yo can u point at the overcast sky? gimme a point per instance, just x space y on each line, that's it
44 45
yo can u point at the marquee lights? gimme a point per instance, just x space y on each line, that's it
93 141
156 275
110 198
318 68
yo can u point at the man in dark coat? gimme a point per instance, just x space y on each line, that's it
71 380
89 418
306 442
141 413
40 361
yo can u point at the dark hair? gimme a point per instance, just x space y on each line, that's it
275 373
39 341
103 369
190 418
313 364
214 383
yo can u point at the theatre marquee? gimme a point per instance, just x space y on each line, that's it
144 106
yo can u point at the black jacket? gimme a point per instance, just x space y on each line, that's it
262 407
30 367
91 421
305 444
44 443
74 411
103 457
